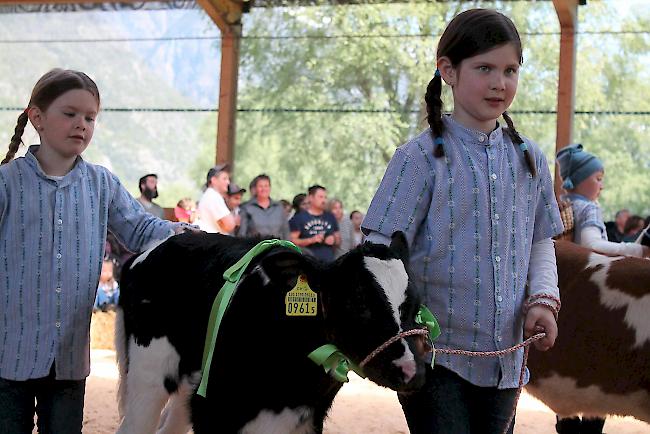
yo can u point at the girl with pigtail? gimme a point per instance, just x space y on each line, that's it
55 211
476 202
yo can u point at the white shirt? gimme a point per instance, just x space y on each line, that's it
212 208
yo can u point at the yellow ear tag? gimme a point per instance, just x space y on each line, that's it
301 300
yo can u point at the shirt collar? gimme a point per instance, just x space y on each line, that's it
472 136
78 169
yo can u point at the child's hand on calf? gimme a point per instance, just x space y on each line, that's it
540 319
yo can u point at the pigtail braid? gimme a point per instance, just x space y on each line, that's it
16 140
434 113
518 141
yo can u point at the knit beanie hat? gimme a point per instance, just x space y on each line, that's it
576 165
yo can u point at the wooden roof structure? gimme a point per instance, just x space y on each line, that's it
227 15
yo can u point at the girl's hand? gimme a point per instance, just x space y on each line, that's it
184 227
540 319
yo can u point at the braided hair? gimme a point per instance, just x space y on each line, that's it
48 88
470 33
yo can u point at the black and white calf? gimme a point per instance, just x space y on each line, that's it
261 380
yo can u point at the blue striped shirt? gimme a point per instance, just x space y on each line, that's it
52 235
470 218
585 213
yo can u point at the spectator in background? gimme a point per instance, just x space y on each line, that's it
233 201
299 203
356 218
633 227
286 206
345 227
148 185
251 188
214 215
108 290
185 210
263 216
315 230
615 229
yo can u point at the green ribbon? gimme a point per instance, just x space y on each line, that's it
334 362
425 318
231 276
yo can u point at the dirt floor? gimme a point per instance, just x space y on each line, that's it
360 407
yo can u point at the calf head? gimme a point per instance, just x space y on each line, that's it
370 300
365 299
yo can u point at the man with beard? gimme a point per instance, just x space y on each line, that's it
148 192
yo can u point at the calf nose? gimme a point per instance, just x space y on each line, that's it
407 364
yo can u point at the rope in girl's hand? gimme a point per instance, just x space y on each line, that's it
525 344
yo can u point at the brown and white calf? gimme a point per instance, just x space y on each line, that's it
600 364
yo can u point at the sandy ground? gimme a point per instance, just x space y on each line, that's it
360 407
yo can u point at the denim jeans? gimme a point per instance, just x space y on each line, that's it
448 404
58 404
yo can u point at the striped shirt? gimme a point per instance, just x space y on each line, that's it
52 235
470 218
586 213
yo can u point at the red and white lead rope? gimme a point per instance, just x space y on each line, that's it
525 344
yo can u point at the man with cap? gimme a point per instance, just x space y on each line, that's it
148 191
233 201
214 215
582 177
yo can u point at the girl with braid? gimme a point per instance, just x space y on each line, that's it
475 200
55 210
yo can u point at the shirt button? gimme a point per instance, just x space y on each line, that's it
494 176
58 256
481 139
58 290
499 338
499 298
59 221
496 216
497 258
58 325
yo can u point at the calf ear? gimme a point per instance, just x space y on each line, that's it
399 245
283 266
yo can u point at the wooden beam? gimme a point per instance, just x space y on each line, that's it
567 13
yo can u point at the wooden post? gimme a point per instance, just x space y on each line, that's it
567 12
226 122
227 14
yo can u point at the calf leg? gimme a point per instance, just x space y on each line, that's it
568 425
149 369
592 425
176 416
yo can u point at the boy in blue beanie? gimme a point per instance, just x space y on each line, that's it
582 177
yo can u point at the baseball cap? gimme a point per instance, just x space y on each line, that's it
214 171
234 189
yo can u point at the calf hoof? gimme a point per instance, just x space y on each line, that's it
568 425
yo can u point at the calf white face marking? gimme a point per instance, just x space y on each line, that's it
565 398
290 421
636 309
393 279
150 248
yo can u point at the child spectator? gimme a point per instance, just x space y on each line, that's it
582 175
108 291
185 210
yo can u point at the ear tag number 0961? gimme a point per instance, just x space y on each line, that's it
301 300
